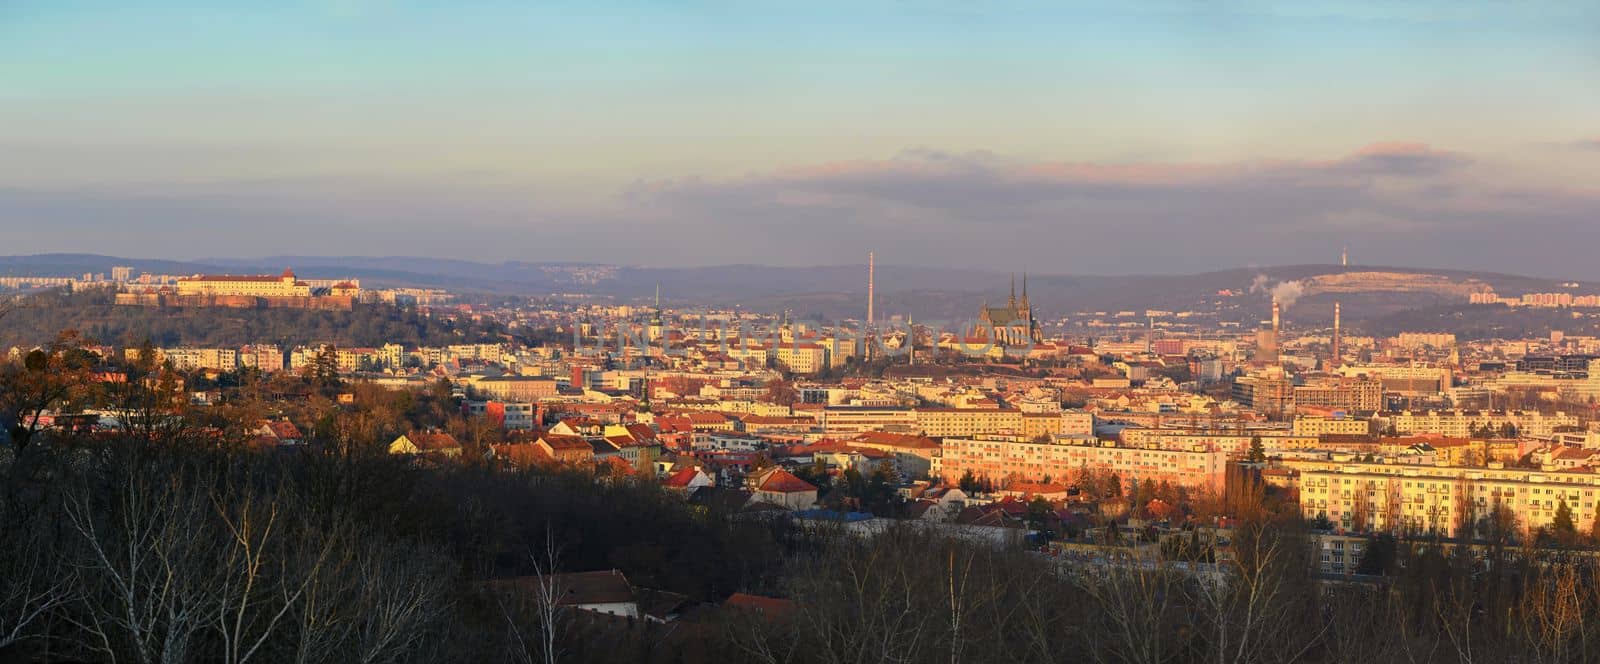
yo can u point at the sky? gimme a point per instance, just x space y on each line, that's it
1067 137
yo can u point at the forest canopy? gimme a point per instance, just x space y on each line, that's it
38 318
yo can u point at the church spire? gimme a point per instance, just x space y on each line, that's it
1012 301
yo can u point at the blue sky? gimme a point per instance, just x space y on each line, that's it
697 133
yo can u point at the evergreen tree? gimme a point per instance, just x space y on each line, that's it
969 482
1594 530
1258 453
1565 531
1038 513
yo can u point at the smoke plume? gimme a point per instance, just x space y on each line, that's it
1259 284
1284 293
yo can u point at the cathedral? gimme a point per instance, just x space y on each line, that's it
1013 324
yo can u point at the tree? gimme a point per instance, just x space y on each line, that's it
545 599
1038 513
1594 530
1565 531
1258 453
1379 556
52 377
1144 493
968 483
782 392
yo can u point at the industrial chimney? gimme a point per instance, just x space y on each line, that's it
870 277
1334 350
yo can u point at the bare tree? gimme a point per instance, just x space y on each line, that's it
144 567
543 598
1136 598
34 582
398 597
1255 612
259 583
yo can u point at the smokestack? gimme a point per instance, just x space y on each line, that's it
1335 343
1344 257
870 277
1275 313
1150 334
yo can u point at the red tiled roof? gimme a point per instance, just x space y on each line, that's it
1033 488
284 430
522 454
560 442
897 440
783 481
1572 453
234 277
769 606
681 478
432 441
618 464
602 587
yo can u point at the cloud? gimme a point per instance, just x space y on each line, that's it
983 188
1392 203
1403 159
1408 202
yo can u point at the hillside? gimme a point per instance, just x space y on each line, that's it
837 291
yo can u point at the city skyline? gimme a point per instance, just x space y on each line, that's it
1433 135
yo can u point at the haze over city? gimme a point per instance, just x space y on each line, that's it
1186 137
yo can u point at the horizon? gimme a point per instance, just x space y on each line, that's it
267 261
1159 139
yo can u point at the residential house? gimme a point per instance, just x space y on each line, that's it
780 487
426 443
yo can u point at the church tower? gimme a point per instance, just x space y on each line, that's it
657 329
1023 310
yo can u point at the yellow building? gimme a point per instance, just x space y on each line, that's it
942 422
1310 425
805 358
285 285
1464 423
1418 498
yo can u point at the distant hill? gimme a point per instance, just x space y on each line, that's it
72 265
839 291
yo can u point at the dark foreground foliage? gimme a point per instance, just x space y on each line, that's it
172 551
